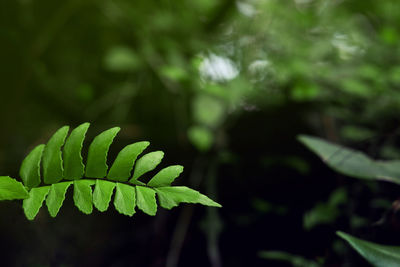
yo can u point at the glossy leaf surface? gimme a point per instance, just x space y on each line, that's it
378 255
351 162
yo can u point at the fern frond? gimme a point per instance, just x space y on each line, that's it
94 183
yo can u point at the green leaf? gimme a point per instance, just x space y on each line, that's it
96 166
125 199
145 164
351 162
166 176
73 162
121 59
378 255
52 158
11 189
294 260
172 196
30 168
146 200
83 198
102 194
208 110
123 164
201 137
56 197
33 204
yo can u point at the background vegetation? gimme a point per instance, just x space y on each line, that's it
224 87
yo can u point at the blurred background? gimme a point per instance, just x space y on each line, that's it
223 87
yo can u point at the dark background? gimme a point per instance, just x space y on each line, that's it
224 88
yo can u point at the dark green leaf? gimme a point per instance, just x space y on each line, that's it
353 163
52 158
146 200
32 204
294 260
11 189
123 164
73 162
96 166
30 168
377 255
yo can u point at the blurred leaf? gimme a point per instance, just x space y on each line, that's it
304 92
208 110
338 197
201 137
294 260
351 162
356 133
377 255
389 35
85 92
325 212
322 213
263 206
394 75
389 152
357 88
174 73
121 59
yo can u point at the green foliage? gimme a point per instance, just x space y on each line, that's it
11 189
64 162
351 162
325 212
294 260
357 164
377 255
